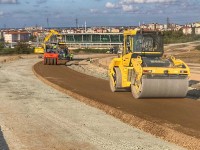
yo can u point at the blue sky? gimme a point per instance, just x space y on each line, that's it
62 13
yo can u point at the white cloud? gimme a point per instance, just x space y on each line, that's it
41 1
127 8
1 13
124 6
94 10
145 1
132 5
110 5
8 1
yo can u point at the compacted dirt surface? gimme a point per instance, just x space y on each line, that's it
35 116
176 120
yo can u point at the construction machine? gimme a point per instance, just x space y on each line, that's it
57 53
41 49
145 71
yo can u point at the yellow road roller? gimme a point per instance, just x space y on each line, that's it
145 71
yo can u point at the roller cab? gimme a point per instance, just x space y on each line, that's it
144 71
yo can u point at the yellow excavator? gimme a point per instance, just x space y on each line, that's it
145 71
41 49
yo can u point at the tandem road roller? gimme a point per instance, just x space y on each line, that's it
145 71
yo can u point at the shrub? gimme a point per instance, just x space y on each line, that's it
198 47
23 48
179 37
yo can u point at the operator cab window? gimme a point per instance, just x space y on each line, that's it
129 44
148 43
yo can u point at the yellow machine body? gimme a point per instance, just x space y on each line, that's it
144 71
41 49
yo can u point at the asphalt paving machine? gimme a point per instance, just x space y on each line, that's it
145 71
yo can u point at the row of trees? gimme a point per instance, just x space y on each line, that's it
179 37
20 48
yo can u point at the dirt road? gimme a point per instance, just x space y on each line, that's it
176 120
34 116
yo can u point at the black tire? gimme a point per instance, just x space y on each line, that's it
48 61
117 77
54 61
51 61
45 61
136 94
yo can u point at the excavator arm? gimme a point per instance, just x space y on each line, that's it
46 39
51 33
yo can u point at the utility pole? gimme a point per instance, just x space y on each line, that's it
76 22
168 23
48 22
85 26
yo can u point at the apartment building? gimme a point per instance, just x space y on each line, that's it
15 36
187 30
196 24
197 30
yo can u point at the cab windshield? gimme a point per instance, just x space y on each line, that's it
148 43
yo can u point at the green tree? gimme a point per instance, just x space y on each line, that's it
179 37
1 45
32 38
23 48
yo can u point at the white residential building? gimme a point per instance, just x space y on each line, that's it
34 28
16 36
196 24
187 30
197 31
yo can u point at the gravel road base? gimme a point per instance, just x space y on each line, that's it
36 116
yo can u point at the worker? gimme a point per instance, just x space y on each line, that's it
66 51
112 50
54 47
71 56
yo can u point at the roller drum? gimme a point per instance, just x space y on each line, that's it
163 87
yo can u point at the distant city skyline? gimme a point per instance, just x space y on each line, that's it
70 13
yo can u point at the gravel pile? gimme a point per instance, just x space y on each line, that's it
90 68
